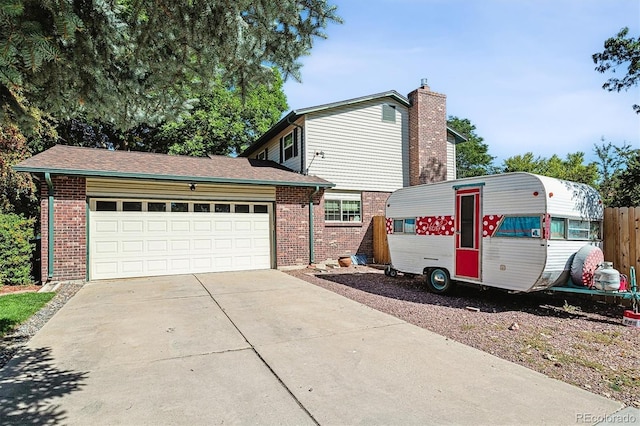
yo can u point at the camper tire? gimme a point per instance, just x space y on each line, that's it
393 273
438 280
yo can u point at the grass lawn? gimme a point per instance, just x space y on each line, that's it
17 308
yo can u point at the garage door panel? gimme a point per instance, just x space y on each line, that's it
201 244
223 243
243 243
136 246
158 265
223 225
157 245
261 243
132 225
106 247
157 226
180 226
202 226
180 246
141 243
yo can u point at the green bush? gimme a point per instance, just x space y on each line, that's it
16 249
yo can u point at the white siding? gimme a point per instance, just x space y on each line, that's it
361 152
451 159
273 147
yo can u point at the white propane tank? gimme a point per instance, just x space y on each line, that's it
606 278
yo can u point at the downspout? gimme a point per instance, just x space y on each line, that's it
312 254
47 177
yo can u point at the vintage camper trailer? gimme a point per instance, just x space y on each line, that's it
515 231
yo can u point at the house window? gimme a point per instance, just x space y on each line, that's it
343 207
389 113
288 146
241 208
262 155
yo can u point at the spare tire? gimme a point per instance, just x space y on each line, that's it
585 262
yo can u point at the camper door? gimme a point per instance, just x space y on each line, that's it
468 232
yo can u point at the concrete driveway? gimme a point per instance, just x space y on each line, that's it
263 348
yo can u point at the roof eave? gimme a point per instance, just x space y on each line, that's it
149 176
458 137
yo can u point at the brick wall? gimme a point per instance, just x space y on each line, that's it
427 136
332 241
70 228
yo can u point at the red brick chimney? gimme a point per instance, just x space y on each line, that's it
427 135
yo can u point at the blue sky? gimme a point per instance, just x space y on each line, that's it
520 70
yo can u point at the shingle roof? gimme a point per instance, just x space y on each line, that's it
69 160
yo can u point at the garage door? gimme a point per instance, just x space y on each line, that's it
137 238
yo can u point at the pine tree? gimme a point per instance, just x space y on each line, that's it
126 62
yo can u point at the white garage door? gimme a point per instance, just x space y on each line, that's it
137 238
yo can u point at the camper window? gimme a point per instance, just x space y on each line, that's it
404 226
558 228
584 230
519 226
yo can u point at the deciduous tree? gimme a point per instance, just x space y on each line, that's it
620 50
571 168
472 156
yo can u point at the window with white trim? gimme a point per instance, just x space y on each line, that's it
288 146
262 155
342 207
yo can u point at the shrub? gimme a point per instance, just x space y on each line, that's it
16 249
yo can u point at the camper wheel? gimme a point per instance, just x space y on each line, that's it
393 273
438 280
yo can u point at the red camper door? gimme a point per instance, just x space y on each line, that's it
468 233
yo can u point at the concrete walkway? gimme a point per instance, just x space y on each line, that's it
263 348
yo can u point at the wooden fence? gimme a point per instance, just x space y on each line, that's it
620 235
380 247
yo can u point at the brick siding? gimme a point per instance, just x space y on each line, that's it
70 228
332 241
427 136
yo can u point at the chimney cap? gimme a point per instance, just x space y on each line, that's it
423 82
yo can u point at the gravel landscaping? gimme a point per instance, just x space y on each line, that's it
577 340
12 342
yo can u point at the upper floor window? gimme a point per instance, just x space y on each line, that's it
287 146
262 155
389 113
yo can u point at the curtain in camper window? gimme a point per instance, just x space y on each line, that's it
519 226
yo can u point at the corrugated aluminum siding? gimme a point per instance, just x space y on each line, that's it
573 200
99 187
362 152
